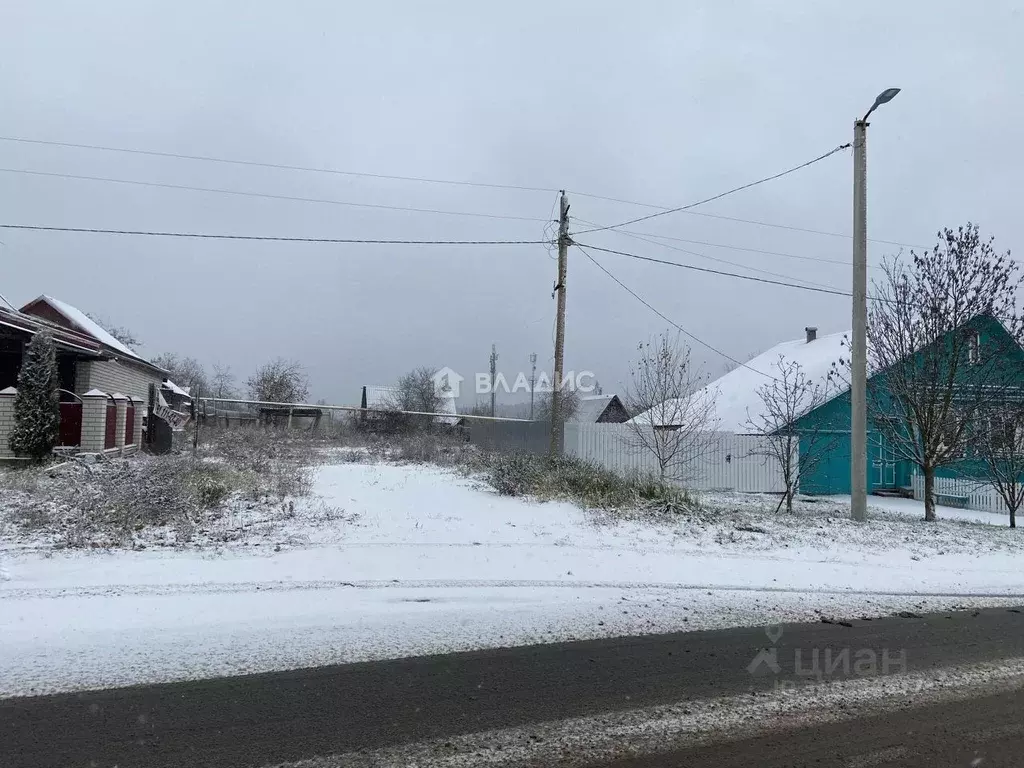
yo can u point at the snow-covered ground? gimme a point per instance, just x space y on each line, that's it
390 560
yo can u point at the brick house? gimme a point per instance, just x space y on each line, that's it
104 384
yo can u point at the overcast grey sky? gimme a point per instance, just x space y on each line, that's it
663 103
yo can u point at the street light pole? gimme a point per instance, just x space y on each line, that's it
858 353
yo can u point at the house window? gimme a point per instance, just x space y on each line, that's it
974 348
1003 435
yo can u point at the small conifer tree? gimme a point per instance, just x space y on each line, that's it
37 404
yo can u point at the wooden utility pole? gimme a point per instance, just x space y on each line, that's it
533 380
556 389
494 373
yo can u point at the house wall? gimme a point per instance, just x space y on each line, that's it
825 453
112 376
830 473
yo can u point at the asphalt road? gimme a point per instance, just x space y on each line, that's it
976 733
259 719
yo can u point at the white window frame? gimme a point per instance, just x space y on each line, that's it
974 348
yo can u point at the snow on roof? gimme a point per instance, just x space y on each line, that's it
83 322
591 408
183 391
736 394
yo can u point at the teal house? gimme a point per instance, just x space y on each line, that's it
824 429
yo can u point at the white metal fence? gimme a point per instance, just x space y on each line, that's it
725 462
979 495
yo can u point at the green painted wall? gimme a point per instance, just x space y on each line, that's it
828 471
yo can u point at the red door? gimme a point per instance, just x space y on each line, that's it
110 437
129 424
70 424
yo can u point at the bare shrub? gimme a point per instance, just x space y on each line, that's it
434 448
586 484
277 463
24 479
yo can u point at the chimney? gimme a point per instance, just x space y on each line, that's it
812 333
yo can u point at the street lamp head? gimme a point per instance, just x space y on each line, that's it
883 98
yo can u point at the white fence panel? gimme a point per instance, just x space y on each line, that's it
980 495
725 461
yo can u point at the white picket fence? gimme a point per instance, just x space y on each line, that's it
726 461
980 495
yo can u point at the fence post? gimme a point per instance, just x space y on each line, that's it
94 421
7 396
195 422
121 404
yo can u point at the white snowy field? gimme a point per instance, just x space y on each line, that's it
392 560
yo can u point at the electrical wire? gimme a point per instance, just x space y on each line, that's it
454 182
668 320
266 195
738 220
720 195
638 236
783 254
832 291
277 166
210 236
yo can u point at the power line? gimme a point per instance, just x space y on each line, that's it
720 195
734 263
277 166
783 254
210 236
638 236
267 195
738 220
453 182
668 320
723 273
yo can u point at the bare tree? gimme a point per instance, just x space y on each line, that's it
784 399
675 409
416 390
568 405
185 372
943 337
119 332
998 442
279 381
223 381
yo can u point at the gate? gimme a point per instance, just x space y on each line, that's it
110 434
129 423
70 433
